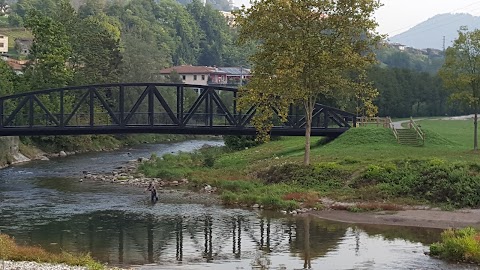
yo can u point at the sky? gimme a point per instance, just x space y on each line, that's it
397 16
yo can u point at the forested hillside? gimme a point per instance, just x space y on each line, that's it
409 85
111 41
104 41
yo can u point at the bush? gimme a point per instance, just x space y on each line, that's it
235 143
434 180
458 245
322 177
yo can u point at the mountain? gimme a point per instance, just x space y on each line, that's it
430 33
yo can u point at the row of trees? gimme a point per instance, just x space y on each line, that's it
104 41
308 52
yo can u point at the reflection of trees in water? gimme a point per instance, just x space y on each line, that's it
425 236
315 238
117 237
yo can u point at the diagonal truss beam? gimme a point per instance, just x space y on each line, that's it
27 105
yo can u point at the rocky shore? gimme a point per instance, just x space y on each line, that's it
9 265
128 175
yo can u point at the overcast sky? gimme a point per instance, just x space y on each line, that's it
397 16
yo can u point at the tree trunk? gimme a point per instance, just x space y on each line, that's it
308 130
475 132
306 158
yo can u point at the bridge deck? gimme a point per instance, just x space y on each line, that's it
151 108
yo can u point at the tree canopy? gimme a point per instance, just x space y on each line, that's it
309 50
461 72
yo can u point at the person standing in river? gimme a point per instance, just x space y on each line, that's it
153 192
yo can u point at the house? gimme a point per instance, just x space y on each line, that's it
398 46
16 65
228 15
3 44
23 45
236 74
199 75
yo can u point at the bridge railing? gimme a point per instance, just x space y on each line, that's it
148 107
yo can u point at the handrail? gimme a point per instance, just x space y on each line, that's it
392 127
365 120
420 133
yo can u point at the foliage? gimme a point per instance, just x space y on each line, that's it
214 33
50 51
411 59
362 164
308 51
7 83
460 245
433 180
461 72
9 250
405 93
233 142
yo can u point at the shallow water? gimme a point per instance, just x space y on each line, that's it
43 203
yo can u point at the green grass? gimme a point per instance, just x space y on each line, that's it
363 164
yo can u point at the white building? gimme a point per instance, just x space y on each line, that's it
3 43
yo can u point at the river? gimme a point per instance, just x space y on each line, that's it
43 203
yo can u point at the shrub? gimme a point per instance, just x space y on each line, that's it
233 142
229 198
458 245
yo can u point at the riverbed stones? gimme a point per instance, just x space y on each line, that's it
62 154
9 265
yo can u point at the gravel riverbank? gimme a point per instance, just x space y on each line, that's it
9 265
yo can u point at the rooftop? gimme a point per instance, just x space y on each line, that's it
189 69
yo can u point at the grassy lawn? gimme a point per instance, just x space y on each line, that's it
363 164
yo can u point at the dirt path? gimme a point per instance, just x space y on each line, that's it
416 218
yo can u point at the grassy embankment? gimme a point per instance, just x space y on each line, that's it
9 250
364 164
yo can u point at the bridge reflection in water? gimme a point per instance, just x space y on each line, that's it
263 241
126 239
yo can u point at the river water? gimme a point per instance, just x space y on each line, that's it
43 203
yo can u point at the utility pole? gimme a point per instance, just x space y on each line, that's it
443 43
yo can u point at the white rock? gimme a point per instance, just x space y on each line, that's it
62 154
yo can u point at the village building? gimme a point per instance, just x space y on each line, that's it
198 75
23 45
3 44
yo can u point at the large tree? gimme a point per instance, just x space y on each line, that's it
461 72
309 50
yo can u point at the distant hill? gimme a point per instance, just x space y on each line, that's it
430 33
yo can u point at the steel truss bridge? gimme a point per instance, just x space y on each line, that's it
151 108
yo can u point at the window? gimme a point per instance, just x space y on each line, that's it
194 77
183 77
2 45
203 77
